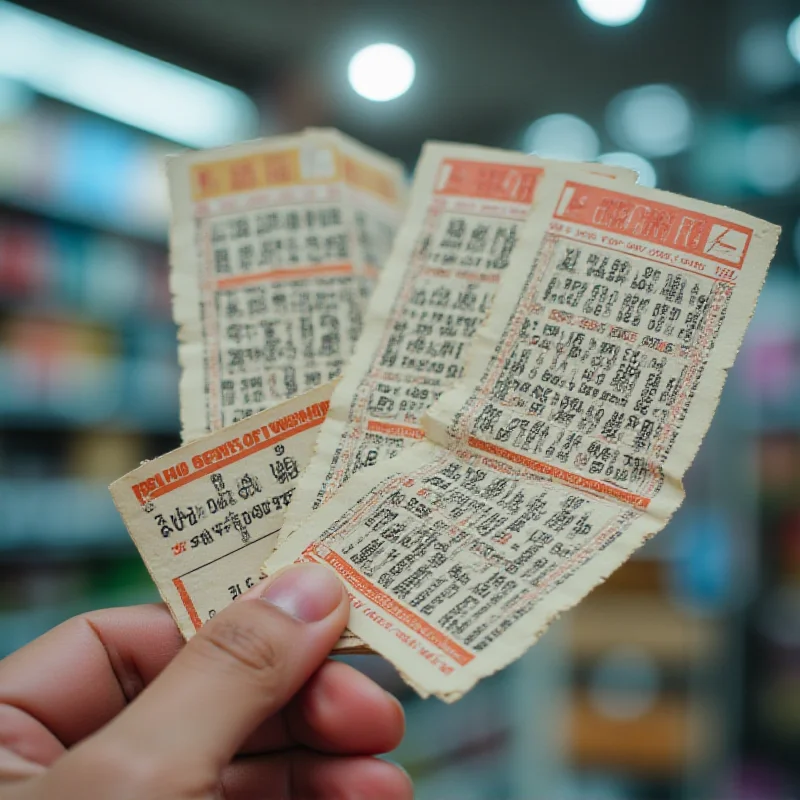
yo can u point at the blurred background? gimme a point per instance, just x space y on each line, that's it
678 678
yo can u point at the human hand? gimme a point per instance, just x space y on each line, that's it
112 706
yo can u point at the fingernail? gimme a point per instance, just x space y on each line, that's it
308 592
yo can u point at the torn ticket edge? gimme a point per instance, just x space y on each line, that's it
489 187
587 394
494 187
318 171
205 516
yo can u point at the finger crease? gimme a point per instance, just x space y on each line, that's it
20 706
125 671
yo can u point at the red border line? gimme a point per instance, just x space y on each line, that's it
392 607
293 274
561 474
218 465
188 604
392 429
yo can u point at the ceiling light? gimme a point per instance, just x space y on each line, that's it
612 12
647 172
655 120
562 136
381 72
793 39
85 70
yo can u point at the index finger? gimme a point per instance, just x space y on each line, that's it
78 676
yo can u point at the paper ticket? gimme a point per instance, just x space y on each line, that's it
275 247
465 214
563 447
205 516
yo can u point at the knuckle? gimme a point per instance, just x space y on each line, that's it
16 728
11 719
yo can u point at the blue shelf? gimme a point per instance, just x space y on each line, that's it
64 516
131 394
91 217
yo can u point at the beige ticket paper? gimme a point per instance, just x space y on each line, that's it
563 448
465 215
205 516
275 247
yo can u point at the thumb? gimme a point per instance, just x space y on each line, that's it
243 666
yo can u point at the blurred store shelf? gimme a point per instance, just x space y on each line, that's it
96 173
474 727
663 740
60 516
138 394
655 625
60 212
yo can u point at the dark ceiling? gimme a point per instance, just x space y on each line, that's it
484 69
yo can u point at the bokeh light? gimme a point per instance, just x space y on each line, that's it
763 59
612 12
772 158
654 120
622 158
381 72
562 136
793 39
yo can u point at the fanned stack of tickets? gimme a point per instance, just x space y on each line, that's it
522 380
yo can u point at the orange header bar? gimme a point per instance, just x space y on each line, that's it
283 168
259 171
661 224
487 181
229 452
